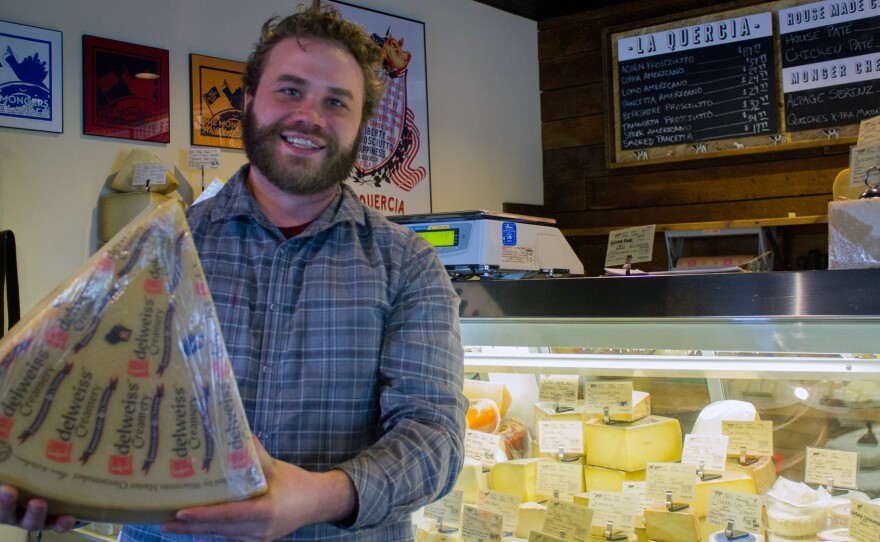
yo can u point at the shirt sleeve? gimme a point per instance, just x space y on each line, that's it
420 453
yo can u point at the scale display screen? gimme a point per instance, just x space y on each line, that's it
441 238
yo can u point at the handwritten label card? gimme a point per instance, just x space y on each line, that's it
744 509
155 173
706 448
449 506
203 157
569 518
505 504
566 478
756 437
861 158
869 131
614 394
482 447
535 536
480 525
559 389
638 489
679 478
619 508
821 464
636 242
864 521
566 435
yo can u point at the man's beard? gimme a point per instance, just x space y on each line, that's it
292 174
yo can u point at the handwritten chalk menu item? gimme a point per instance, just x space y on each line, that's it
566 435
744 509
637 244
706 448
506 504
756 437
449 507
482 447
679 478
619 508
615 395
567 517
864 521
561 390
566 478
198 157
117 400
841 467
830 54
697 82
480 525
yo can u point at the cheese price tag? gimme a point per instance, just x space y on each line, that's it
449 506
559 389
869 131
620 508
569 518
864 521
637 243
506 504
861 158
756 437
566 435
744 509
566 478
679 478
480 525
154 173
481 446
615 395
638 489
207 157
709 449
842 467
535 536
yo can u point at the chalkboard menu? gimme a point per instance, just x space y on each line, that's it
830 53
697 82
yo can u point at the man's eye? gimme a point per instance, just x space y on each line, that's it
291 91
336 102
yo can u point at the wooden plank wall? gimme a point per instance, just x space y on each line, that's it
581 191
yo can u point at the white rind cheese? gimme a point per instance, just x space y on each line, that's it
117 399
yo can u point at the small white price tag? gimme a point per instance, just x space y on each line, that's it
559 390
869 131
679 478
203 157
638 243
619 508
566 478
481 446
506 504
615 395
155 173
566 435
449 506
842 467
742 508
480 525
706 448
755 437
567 517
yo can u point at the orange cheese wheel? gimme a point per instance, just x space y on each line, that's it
483 415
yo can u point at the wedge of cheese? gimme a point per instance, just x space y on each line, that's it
517 476
117 399
630 446
529 517
471 480
729 481
641 402
665 526
763 472
602 479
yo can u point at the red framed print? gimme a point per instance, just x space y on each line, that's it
216 94
126 90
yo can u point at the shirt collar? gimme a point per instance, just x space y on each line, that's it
236 200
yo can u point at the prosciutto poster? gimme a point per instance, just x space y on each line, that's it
392 172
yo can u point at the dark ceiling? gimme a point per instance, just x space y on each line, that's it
539 10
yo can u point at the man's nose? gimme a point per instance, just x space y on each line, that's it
307 112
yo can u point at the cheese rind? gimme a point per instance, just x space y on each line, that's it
664 526
602 479
631 446
529 517
117 399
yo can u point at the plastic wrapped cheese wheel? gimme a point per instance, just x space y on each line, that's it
117 399
483 415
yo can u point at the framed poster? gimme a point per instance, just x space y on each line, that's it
216 97
30 78
392 173
126 90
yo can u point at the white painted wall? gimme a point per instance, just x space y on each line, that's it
483 99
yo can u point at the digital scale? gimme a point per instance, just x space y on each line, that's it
495 245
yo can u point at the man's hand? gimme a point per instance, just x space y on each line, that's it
33 518
295 498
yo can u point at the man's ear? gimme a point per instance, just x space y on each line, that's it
246 101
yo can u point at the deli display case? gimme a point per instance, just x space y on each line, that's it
802 347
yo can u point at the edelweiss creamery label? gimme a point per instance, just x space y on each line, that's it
117 401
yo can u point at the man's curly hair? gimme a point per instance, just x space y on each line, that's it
324 23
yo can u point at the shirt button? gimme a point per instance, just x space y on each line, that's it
262 435
267 369
273 307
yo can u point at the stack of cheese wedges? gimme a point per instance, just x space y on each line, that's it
117 399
